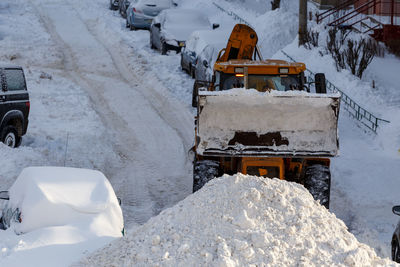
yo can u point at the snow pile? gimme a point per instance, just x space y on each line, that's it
239 221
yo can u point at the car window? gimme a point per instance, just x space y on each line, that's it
175 19
14 79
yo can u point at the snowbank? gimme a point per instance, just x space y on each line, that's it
238 221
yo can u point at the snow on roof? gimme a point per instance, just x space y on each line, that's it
198 40
241 221
55 196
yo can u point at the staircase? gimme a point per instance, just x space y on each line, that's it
347 16
378 18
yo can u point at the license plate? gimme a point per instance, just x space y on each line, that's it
181 44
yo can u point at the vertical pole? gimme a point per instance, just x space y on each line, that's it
392 13
246 78
303 21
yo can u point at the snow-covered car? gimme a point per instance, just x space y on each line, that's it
171 28
396 237
140 13
123 6
196 42
205 61
114 4
43 197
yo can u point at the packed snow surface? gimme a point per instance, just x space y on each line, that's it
241 221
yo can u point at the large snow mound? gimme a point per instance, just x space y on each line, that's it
241 221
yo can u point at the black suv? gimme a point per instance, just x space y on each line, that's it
14 105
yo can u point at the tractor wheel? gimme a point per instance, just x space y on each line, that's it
204 171
318 182
395 250
9 136
195 93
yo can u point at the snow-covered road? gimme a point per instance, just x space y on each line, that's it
151 134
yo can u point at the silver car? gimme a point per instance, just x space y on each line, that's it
140 13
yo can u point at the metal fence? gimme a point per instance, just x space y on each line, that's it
363 116
366 118
232 14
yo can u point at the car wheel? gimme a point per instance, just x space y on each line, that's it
395 251
151 41
10 136
163 48
192 73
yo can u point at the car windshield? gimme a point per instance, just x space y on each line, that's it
261 83
264 171
158 3
185 19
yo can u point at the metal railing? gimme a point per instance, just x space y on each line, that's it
363 116
232 14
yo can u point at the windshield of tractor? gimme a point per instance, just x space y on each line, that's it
264 171
261 83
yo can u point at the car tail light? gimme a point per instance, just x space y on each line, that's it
28 105
137 10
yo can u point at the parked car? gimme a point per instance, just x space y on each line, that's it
171 28
60 196
140 13
194 45
123 6
205 61
114 4
14 105
396 238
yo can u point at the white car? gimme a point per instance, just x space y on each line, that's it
140 13
171 28
52 216
53 196
196 43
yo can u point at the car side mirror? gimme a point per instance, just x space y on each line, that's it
205 63
157 25
215 26
4 195
396 210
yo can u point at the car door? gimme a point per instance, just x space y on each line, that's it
16 95
2 95
156 31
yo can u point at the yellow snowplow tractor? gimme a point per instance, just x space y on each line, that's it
279 130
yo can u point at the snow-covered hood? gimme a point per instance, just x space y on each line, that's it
181 32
